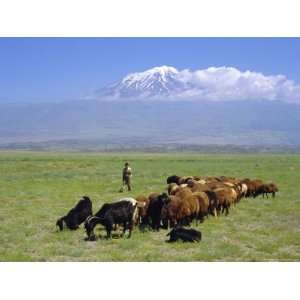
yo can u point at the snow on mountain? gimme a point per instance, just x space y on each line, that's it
212 84
154 83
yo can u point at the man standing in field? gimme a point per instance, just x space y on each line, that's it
126 174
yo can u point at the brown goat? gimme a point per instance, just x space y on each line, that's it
142 211
187 196
174 212
197 187
226 197
265 189
172 187
203 201
271 188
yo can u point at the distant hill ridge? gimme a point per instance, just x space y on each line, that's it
151 123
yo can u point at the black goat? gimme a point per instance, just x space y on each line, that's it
186 235
76 215
111 214
154 210
173 179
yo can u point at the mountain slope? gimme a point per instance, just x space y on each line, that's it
158 82
239 123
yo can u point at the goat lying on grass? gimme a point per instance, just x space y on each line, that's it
185 235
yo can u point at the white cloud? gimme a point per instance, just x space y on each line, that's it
228 83
213 84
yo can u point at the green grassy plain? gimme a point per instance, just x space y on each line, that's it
37 188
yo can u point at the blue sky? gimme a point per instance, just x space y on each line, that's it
55 69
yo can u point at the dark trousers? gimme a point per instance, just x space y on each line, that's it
127 182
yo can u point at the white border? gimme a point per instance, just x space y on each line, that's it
145 281
160 18
149 18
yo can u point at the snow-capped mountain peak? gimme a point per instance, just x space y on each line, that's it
147 78
212 84
153 83
159 71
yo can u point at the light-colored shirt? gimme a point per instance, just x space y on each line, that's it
127 172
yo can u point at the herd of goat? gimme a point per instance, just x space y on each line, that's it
189 199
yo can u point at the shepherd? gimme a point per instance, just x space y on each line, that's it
126 176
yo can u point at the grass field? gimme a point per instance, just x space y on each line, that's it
37 188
